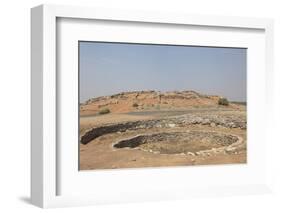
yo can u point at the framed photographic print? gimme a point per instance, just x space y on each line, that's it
129 125
130 106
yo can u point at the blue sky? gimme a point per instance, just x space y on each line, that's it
109 68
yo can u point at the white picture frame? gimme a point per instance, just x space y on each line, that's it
47 165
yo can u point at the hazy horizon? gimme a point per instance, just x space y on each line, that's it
110 68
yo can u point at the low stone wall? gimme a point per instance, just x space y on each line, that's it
112 128
186 142
228 121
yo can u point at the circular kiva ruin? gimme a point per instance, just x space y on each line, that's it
190 142
173 135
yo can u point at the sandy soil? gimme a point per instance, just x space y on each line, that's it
133 116
100 153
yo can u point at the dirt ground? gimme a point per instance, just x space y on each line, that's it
101 154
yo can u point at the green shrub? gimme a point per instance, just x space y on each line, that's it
223 101
135 105
104 111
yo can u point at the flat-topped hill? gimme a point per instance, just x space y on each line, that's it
149 100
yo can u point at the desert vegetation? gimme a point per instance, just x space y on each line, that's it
223 101
135 105
104 111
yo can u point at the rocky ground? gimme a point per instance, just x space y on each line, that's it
150 100
170 136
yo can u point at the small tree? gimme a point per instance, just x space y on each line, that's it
104 111
223 101
135 105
